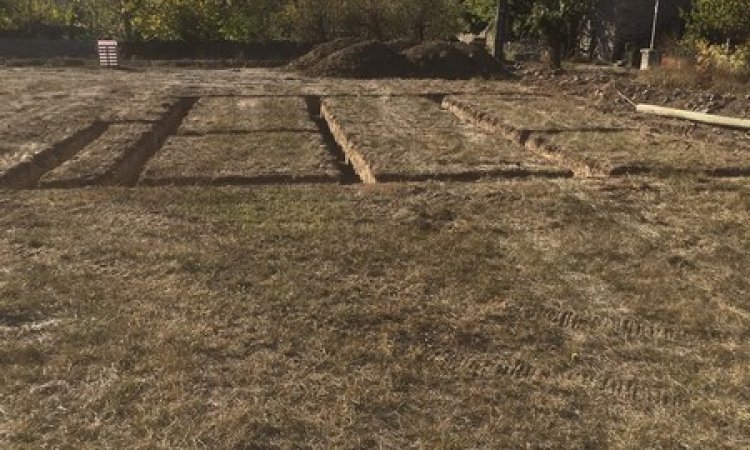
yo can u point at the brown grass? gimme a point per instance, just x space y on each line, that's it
245 156
21 142
97 159
598 143
534 314
489 315
686 76
402 136
224 114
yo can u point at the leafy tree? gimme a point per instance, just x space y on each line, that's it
720 20
559 23
5 17
250 20
308 20
429 19
478 14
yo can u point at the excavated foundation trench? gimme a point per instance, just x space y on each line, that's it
260 180
523 137
27 174
365 172
346 147
352 165
349 174
128 170
124 171
542 147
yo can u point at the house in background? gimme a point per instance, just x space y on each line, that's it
621 28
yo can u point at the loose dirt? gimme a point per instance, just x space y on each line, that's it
369 59
400 59
320 52
452 61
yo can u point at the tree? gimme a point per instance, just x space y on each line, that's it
309 20
479 14
5 16
559 23
501 30
718 21
250 20
430 19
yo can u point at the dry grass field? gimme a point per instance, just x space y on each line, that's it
250 158
142 308
97 160
247 114
596 144
404 138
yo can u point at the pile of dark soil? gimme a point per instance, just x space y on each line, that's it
452 60
397 59
401 45
320 52
368 59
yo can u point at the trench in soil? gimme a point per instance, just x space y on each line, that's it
27 174
260 180
474 175
535 146
245 132
540 146
365 173
128 170
427 94
348 174
436 97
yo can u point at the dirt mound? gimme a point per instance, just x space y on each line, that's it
368 59
347 58
452 60
320 52
401 45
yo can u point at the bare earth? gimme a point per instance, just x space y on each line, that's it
191 259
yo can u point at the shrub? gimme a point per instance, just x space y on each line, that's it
718 57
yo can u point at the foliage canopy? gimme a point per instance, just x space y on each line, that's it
720 20
315 20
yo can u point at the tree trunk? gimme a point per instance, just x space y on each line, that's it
555 53
501 27
593 41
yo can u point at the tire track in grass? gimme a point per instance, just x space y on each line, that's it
628 389
627 326
632 390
